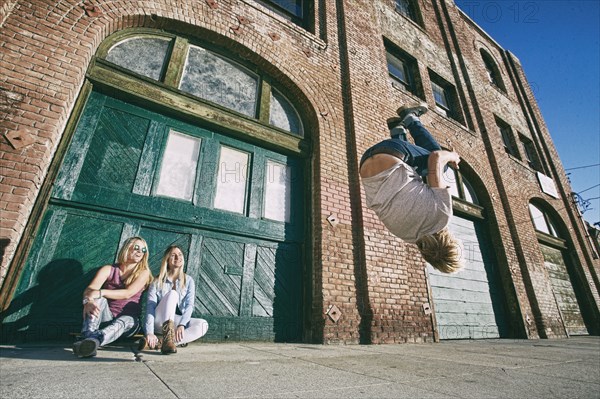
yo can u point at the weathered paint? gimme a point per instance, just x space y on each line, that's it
469 304
563 291
244 266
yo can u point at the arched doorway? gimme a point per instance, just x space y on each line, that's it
470 303
553 248
179 144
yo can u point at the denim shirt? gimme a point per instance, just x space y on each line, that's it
187 296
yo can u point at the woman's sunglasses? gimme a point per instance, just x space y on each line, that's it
138 248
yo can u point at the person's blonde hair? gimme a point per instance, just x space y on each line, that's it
164 266
442 251
142 264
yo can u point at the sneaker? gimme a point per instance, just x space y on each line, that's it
182 345
411 109
76 346
393 122
87 347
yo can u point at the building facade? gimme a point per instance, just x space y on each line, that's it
234 128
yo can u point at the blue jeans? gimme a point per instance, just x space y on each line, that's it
415 155
113 327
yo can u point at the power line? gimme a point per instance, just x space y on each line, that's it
587 189
583 167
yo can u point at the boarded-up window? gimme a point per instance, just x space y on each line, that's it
232 178
277 205
178 169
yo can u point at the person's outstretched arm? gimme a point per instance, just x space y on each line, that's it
436 162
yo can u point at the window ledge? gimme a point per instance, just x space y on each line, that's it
499 90
290 24
400 87
524 164
452 120
551 240
469 209
516 159
413 22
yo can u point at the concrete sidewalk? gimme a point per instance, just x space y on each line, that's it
568 368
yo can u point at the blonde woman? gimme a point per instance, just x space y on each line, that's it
415 211
112 300
170 305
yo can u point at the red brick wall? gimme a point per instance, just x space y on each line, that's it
377 281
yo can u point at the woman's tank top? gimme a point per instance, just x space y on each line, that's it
122 307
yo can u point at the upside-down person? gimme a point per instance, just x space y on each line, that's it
392 174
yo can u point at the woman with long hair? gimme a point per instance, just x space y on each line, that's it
111 303
170 305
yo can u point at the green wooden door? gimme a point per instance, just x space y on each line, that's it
469 304
233 207
563 291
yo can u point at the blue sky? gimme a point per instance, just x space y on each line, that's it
557 42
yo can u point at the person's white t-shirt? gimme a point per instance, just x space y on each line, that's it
408 207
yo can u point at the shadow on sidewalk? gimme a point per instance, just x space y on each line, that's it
62 352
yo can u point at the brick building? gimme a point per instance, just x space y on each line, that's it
234 128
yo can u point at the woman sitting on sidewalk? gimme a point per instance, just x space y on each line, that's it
171 303
112 300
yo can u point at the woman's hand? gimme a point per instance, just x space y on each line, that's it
179 333
91 309
151 340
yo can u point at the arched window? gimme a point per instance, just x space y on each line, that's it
541 221
283 115
204 74
143 55
493 73
217 79
460 187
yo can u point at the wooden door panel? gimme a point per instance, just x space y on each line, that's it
564 293
247 268
71 246
469 304
220 279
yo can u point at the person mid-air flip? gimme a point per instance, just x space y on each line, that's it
415 211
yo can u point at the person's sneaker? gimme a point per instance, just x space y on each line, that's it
87 347
411 109
393 122
182 345
76 346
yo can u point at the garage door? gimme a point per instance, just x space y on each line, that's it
563 290
233 207
468 304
